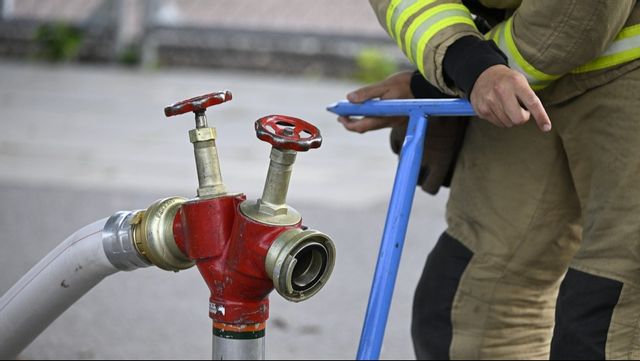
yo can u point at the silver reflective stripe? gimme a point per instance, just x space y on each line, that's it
513 63
536 78
399 9
625 48
424 27
620 46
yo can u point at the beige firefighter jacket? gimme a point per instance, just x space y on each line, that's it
563 47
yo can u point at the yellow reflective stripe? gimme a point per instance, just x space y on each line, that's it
625 48
535 76
390 10
499 35
406 14
490 34
442 24
496 36
537 87
425 26
609 61
399 11
629 32
440 11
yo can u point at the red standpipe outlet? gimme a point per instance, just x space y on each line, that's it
243 249
230 251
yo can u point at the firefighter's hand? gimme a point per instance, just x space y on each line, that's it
503 97
396 86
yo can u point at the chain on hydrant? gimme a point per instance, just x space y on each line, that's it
243 249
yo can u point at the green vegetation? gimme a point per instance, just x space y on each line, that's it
58 42
374 66
130 55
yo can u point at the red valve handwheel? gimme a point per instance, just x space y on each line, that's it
197 104
286 132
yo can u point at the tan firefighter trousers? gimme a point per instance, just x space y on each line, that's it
532 206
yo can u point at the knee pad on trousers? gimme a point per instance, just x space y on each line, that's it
431 327
583 315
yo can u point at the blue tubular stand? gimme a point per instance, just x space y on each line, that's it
404 186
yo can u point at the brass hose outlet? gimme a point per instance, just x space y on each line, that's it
206 154
203 139
153 235
272 207
274 195
287 135
300 263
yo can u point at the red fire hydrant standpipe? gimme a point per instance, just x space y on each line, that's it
243 249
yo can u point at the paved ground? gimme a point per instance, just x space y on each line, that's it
78 144
354 17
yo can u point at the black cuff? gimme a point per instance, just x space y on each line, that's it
467 58
422 89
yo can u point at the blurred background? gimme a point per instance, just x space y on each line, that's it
82 135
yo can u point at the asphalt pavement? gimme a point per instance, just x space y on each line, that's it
80 143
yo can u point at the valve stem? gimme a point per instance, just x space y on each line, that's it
272 207
201 120
274 196
207 163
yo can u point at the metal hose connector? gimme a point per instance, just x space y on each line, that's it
300 263
117 240
153 235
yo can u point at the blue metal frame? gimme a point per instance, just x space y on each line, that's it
400 204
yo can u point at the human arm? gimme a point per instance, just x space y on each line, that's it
444 134
543 40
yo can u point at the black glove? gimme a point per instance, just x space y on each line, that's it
442 145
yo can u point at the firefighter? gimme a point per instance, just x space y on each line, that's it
541 257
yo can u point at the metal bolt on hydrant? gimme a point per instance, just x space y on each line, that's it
243 249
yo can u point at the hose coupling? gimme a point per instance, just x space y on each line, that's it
117 240
300 262
153 235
